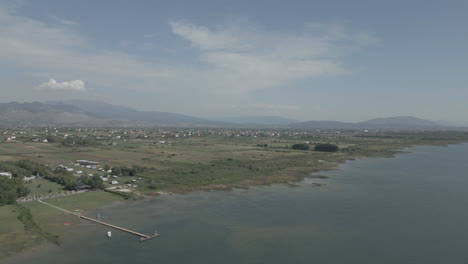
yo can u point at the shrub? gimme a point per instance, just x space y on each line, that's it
300 146
326 147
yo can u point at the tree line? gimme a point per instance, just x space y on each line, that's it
12 189
327 147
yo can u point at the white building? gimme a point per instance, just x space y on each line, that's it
6 174
29 178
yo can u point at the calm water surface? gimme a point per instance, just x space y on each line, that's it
410 209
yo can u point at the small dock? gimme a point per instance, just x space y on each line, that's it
143 237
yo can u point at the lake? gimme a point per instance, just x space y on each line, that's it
408 209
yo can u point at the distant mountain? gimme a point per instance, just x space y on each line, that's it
40 114
324 125
447 123
93 114
98 114
109 111
274 121
399 122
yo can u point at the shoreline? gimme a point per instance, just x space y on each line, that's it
297 176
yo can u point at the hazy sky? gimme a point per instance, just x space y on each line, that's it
308 60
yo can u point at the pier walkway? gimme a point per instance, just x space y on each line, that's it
143 237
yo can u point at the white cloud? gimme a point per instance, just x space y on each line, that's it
64 21
231 62
52 84
206 39
246 60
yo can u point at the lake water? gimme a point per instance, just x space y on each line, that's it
409 209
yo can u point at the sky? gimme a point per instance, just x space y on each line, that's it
306 60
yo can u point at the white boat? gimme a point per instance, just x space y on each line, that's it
109 234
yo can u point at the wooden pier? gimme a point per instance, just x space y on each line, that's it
143 237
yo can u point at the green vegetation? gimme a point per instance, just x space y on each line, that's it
129 171
159 161
28 225
23 168
326 147
11 189
78 142
150 162
300 146
95 182
26 168
25 216
63 177
42 186
13 237
19 230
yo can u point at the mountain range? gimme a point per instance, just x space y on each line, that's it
84 113
400 122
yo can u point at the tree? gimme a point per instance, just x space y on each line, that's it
11 189
50 138
300 146
70 183
326 147
95 182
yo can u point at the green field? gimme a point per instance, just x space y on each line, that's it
220 162
14 237
41 186
192 163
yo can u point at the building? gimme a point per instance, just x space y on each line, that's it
29 178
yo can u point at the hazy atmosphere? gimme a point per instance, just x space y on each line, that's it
233 131
305 60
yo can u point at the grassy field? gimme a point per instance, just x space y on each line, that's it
15 237
52 220
187 164
41 186
220 162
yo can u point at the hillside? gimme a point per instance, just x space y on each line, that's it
98 114
92 114
40 114
114 112
399 122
